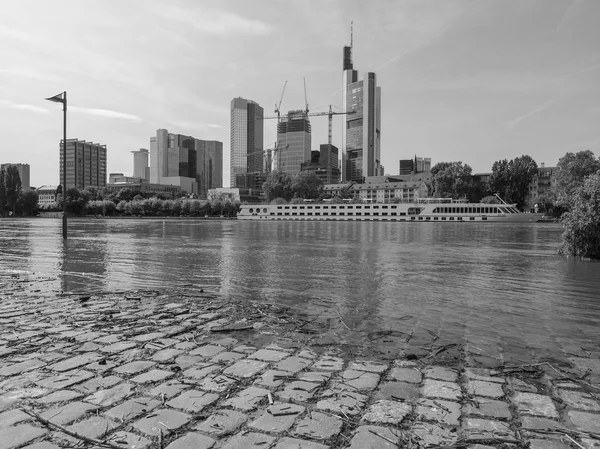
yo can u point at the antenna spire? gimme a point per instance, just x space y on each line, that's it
351 33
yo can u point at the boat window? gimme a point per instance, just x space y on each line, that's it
325 213
265 210
309 213
358 213
460 218
279 213
358 207
428 218
342 213
472 218
294 213
250 210
436 218
301 213
287 213
301 207
394 207
272 213
484 218
317 213
278 207
451 218
294 207
375 213
325 207
367 213
443 218
367 207
384 207
286 207
402 213
334 207
394 214
420 218
375 207
342 207
309 207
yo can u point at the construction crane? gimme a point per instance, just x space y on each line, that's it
305 97
330 114
267 154
278 106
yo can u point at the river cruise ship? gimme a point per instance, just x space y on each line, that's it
424 209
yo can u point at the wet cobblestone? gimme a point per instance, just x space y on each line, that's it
156 372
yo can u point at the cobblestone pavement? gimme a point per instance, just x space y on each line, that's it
163 370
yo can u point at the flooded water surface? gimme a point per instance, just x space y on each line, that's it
500 289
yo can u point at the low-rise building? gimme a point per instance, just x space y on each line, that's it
46 195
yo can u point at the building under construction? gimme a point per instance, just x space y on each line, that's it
294 131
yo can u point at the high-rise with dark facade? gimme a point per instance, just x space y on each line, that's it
141 169
86 164
361 154
246 139
293 133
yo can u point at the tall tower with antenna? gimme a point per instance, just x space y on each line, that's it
361 135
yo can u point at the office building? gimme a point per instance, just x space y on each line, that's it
23 170
293 133
192 164
324 163
361 135
86 164
416 165
141 169
246 138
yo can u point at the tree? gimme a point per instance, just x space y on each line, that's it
28 202
2 191
440 166
453 181
278 185
307 185
571 171
490 199
511 179
12 184
581 237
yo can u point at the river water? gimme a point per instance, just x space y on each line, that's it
499 289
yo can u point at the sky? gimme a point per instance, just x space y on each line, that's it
462 80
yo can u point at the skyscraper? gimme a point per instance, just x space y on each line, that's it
193 164
293 130
86 164
361 154
140 164
246 134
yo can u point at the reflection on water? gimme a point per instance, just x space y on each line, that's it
498 287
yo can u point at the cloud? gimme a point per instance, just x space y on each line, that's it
542 107
17 34
212 125
215 22
107 113
24 72
25 107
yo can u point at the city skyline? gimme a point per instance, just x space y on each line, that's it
462 80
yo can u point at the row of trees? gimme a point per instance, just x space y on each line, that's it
13 200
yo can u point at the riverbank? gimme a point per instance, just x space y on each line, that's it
183 368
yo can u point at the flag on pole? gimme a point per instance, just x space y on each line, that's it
59 98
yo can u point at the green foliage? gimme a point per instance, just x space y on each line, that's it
453 181
581 237
511 179
12 186
278 200
2 191
27 204
571 171
440 166
490 199
307 185
278 185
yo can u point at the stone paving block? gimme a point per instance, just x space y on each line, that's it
42 445
18 368
314 376
319 426
433 435
249 440
185 345
476 429
273 378
443 412
164 355
68 413
166 420
101 366
134 367
188 361
369 366
547 444
119 346
488 408
216 384
408 375
59 396
373 437
13 437
226 342
193 400
277 418
360 380
130 440
588 443
578 400
247 399
227 357
520 385
274 346
132 408
192 441
584 421
243 369
110 396
350 403
441 373
201 370
442 390
483 388
154 375
298 391
397 391
535 404
308 354
207 351
98 383
75 362
222 422
327 363
534 423
268 355
484 375
245 349
169 389
89 336
88 347
387 412
293 364
64 380
12 417
295 443
94 427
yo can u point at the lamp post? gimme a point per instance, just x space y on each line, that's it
62 98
